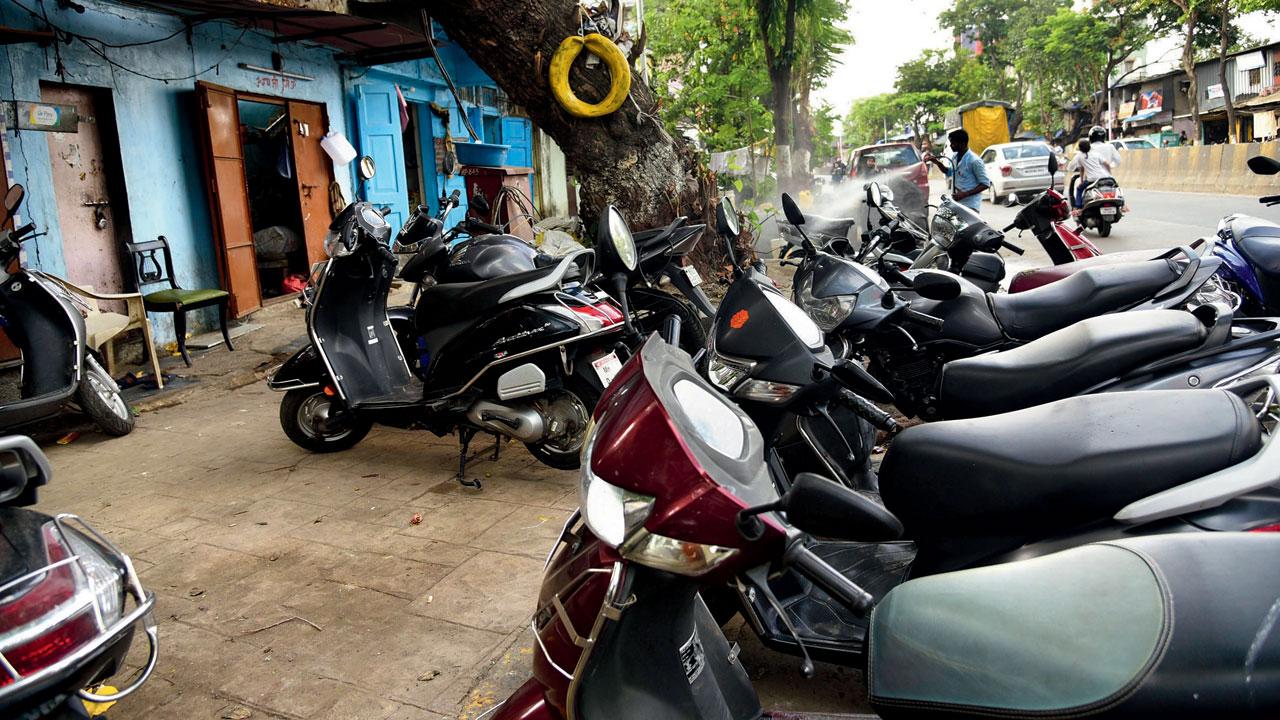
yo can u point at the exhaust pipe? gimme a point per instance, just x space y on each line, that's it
523 423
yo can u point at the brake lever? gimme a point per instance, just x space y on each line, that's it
759 582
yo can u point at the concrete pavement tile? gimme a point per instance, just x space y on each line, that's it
260 528
492 591
493 681
527 531
347 534
146 511
409 712
293 688
195 565
388 574
460 521
325 487
405 486
369 510
187 528
432 551
505 488
356 704
196 658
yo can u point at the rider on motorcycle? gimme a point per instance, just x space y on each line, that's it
1091 163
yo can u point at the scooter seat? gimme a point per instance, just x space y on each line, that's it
1167 626
1053 467
829 225
1258 240
1095 291
1065 362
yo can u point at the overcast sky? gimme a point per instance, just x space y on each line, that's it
887 33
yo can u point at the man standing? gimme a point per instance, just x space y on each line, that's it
970 174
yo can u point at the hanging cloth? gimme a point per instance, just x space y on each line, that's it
404 110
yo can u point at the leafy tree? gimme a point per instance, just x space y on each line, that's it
1001 26
824 135
869 117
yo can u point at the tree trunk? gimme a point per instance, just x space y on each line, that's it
802 130
779 61
626 159
1225 19
1189 67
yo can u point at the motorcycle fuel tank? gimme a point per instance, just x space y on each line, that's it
488 257
966 319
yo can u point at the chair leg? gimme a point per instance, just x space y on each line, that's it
222 317
180 327
111 357
151 352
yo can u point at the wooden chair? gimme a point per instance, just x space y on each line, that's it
102 328
148 270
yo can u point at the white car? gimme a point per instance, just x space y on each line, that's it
1133 144
1018 167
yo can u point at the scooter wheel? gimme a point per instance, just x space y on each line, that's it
572 407
1104 229
99 397
656 305
305 418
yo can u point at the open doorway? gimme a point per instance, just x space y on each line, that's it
275 215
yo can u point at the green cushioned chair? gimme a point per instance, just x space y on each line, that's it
148 270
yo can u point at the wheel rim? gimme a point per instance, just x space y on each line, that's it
105 388
568 416
314 419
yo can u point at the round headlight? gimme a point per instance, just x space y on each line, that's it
943 227
334 246
620 235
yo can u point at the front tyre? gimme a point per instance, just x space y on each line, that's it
310 419
651 308
99 397
567 413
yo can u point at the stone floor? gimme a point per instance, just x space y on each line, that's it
359 585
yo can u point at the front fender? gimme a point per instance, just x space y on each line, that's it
304 369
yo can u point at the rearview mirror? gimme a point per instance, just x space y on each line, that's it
933 285
791 210
614 241
856 378
1263 165
875 195
727 218
1053 163
367 168
23 468
1011 200
13 198
827 509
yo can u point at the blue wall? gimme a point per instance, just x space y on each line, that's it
163 171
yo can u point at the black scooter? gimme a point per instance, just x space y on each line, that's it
45 323
70 602
524 356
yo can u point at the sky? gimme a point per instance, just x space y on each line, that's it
888 33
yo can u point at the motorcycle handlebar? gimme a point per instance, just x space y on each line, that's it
1011 247
922 318
492 229
868 411
25 229
1010 226
808 564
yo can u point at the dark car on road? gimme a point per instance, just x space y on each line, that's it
899 166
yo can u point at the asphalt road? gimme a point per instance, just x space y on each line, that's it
1156 220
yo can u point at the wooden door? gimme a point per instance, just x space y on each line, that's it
314 172
81 189
219 120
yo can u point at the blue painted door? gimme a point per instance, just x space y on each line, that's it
378 120
518 133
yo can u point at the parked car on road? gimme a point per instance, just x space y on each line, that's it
1017 167
1133 144
899 167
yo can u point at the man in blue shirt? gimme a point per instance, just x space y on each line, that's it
970 174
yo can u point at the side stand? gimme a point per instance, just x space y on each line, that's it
464 437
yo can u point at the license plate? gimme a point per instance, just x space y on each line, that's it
607 367
692 274
1035 171
1107 210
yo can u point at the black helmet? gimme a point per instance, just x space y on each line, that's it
1097 134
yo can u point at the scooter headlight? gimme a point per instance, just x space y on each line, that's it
827 312
612 514
334 246
944 225
725 374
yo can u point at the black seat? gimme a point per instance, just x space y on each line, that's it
1065 362
450 302
1095 291
829 225
1055 466
1167 626
1259 242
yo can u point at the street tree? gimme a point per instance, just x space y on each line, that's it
1000 26
924 111
870 118
824 134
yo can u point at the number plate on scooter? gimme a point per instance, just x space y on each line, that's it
692 274
607 367
1107 210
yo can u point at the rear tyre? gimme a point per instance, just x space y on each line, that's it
652 308
568 413
1104 229
99 397
306 417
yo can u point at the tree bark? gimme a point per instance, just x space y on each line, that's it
627 158
1192 16
779 61
1225 20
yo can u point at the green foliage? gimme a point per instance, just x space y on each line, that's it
868 118
1001 25
958 72
824 135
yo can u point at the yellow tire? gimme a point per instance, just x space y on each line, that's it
614 60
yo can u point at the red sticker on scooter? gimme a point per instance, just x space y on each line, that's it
739 319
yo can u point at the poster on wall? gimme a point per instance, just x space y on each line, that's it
45 117
1213 92
1150 100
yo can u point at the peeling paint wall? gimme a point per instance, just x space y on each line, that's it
155 119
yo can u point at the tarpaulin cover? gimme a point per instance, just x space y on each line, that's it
987 126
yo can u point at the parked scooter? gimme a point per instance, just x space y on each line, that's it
861 313
1250 249
635 280
621 631
44 321
66 623
522 356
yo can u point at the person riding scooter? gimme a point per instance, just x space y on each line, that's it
1095 192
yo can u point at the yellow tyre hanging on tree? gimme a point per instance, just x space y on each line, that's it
619 73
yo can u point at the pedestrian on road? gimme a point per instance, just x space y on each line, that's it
970 174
